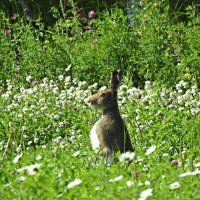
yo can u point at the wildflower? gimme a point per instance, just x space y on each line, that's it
147 182
95 41
8 31
31 169
195 172
174 185
148 86
150 150
145 194
45 80
91 14
187 76
61 77
129 183
22 178
28 79
128 156
74 183
197 165
16 159
174 162
13 19
30 142
34 82
165 154
36 140
67 6
68 68
38 157
76 154
190 173
116 179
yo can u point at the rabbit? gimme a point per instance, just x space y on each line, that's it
109 133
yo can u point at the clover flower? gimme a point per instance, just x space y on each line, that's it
28 78
174 185
31 169
127 156
174 162
119 178
145 194
150 150
129 183
17 158
91 14
74 183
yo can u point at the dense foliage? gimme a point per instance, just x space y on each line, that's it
47 73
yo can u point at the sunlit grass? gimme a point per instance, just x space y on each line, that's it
46 150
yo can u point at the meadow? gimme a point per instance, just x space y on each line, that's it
47 75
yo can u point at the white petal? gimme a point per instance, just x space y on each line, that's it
16 159
174 185
74 183
146 193
116 179
150 150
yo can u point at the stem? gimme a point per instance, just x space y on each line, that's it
6 148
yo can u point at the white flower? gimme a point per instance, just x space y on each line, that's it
165 154
45 80
150 150
195 172
74 183
185 174
174 185
28 78
147 182
38 157
148 86
145 194
68 68
16 159
30 142
5 96
31 169
116 179
127 156
22 178
190 173
76 153
61 77
197 165
129 183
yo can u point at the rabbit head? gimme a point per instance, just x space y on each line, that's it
107 98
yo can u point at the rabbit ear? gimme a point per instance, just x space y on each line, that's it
116 78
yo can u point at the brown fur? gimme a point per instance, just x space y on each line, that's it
111 132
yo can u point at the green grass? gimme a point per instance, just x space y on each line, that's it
45 122
48 123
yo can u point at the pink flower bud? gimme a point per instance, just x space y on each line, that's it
91 14
8 31
174 162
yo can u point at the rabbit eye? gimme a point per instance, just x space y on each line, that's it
103 94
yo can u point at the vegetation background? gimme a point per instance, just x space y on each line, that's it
54 54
